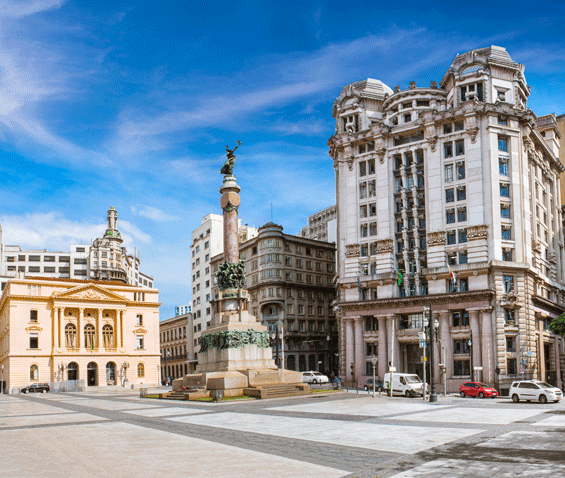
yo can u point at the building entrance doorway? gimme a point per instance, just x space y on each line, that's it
72 371
110 373
92 374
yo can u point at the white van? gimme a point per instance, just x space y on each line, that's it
408 384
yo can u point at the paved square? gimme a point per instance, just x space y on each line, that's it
525 440
399 439
164 411
481 416
552 421
54 419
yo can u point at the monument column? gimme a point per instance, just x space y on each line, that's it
80 336
349 347
383 359
59 325
445 337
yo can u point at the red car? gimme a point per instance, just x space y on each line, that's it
477 389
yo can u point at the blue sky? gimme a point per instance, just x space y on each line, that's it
130 103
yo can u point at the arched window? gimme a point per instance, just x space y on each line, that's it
70 335
108 335
140 370
89 336
34 372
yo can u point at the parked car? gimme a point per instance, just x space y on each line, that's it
407 384
378 385
534 390
314 377
36 388
477 389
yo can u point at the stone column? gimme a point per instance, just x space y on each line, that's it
476 338
230 202
392 342
60 328
349 347
383 356
541 349
445 337
359 349
99 328
80 336
487 345
119 329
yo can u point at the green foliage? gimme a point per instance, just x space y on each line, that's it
557 326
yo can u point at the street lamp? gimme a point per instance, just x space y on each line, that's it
433 332
470 343
374 361
166 353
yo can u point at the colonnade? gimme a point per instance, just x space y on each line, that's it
60 323
480 331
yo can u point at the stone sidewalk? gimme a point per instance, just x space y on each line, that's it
109 434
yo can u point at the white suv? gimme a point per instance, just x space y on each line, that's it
534 390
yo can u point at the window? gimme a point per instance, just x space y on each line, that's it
34 372
33 341
464 285
503 166
507 254
372 209
503 143
504 190
363 211
372 188
460 318
506 233
33 315
139 342
505 211
461 193
108 336
509 316
362 168
511 366
363 230
502 120
371 163
450 216
34 269
459 147
447 128
461 214
34 258
10 259
462 257
451 238
70 336
461 346
79 261
508 283
459 126
89 336
461 367
462 236
449 173
460 170
362 190
373 229
449 195
448 150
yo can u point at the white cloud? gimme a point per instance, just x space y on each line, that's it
14 8
153 213
53 231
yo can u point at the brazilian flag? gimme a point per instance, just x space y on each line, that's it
399 276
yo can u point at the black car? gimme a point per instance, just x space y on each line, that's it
36 388
378 385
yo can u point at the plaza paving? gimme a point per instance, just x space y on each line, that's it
110 434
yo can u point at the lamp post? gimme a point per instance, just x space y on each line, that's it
433 332
166 353
374 361
470 343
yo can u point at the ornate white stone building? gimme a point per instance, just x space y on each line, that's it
449 196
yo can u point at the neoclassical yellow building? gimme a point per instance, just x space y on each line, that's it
60 330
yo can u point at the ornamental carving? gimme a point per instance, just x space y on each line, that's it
477 232
385 246
234 339
352 250
436 238
381 154
473 132
89 294
536 246
433 142
231 275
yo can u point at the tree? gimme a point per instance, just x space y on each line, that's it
557 325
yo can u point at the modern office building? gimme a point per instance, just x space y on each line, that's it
105 259
207 241
67 330
448 196
182 309
322 226
290 284
175 337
